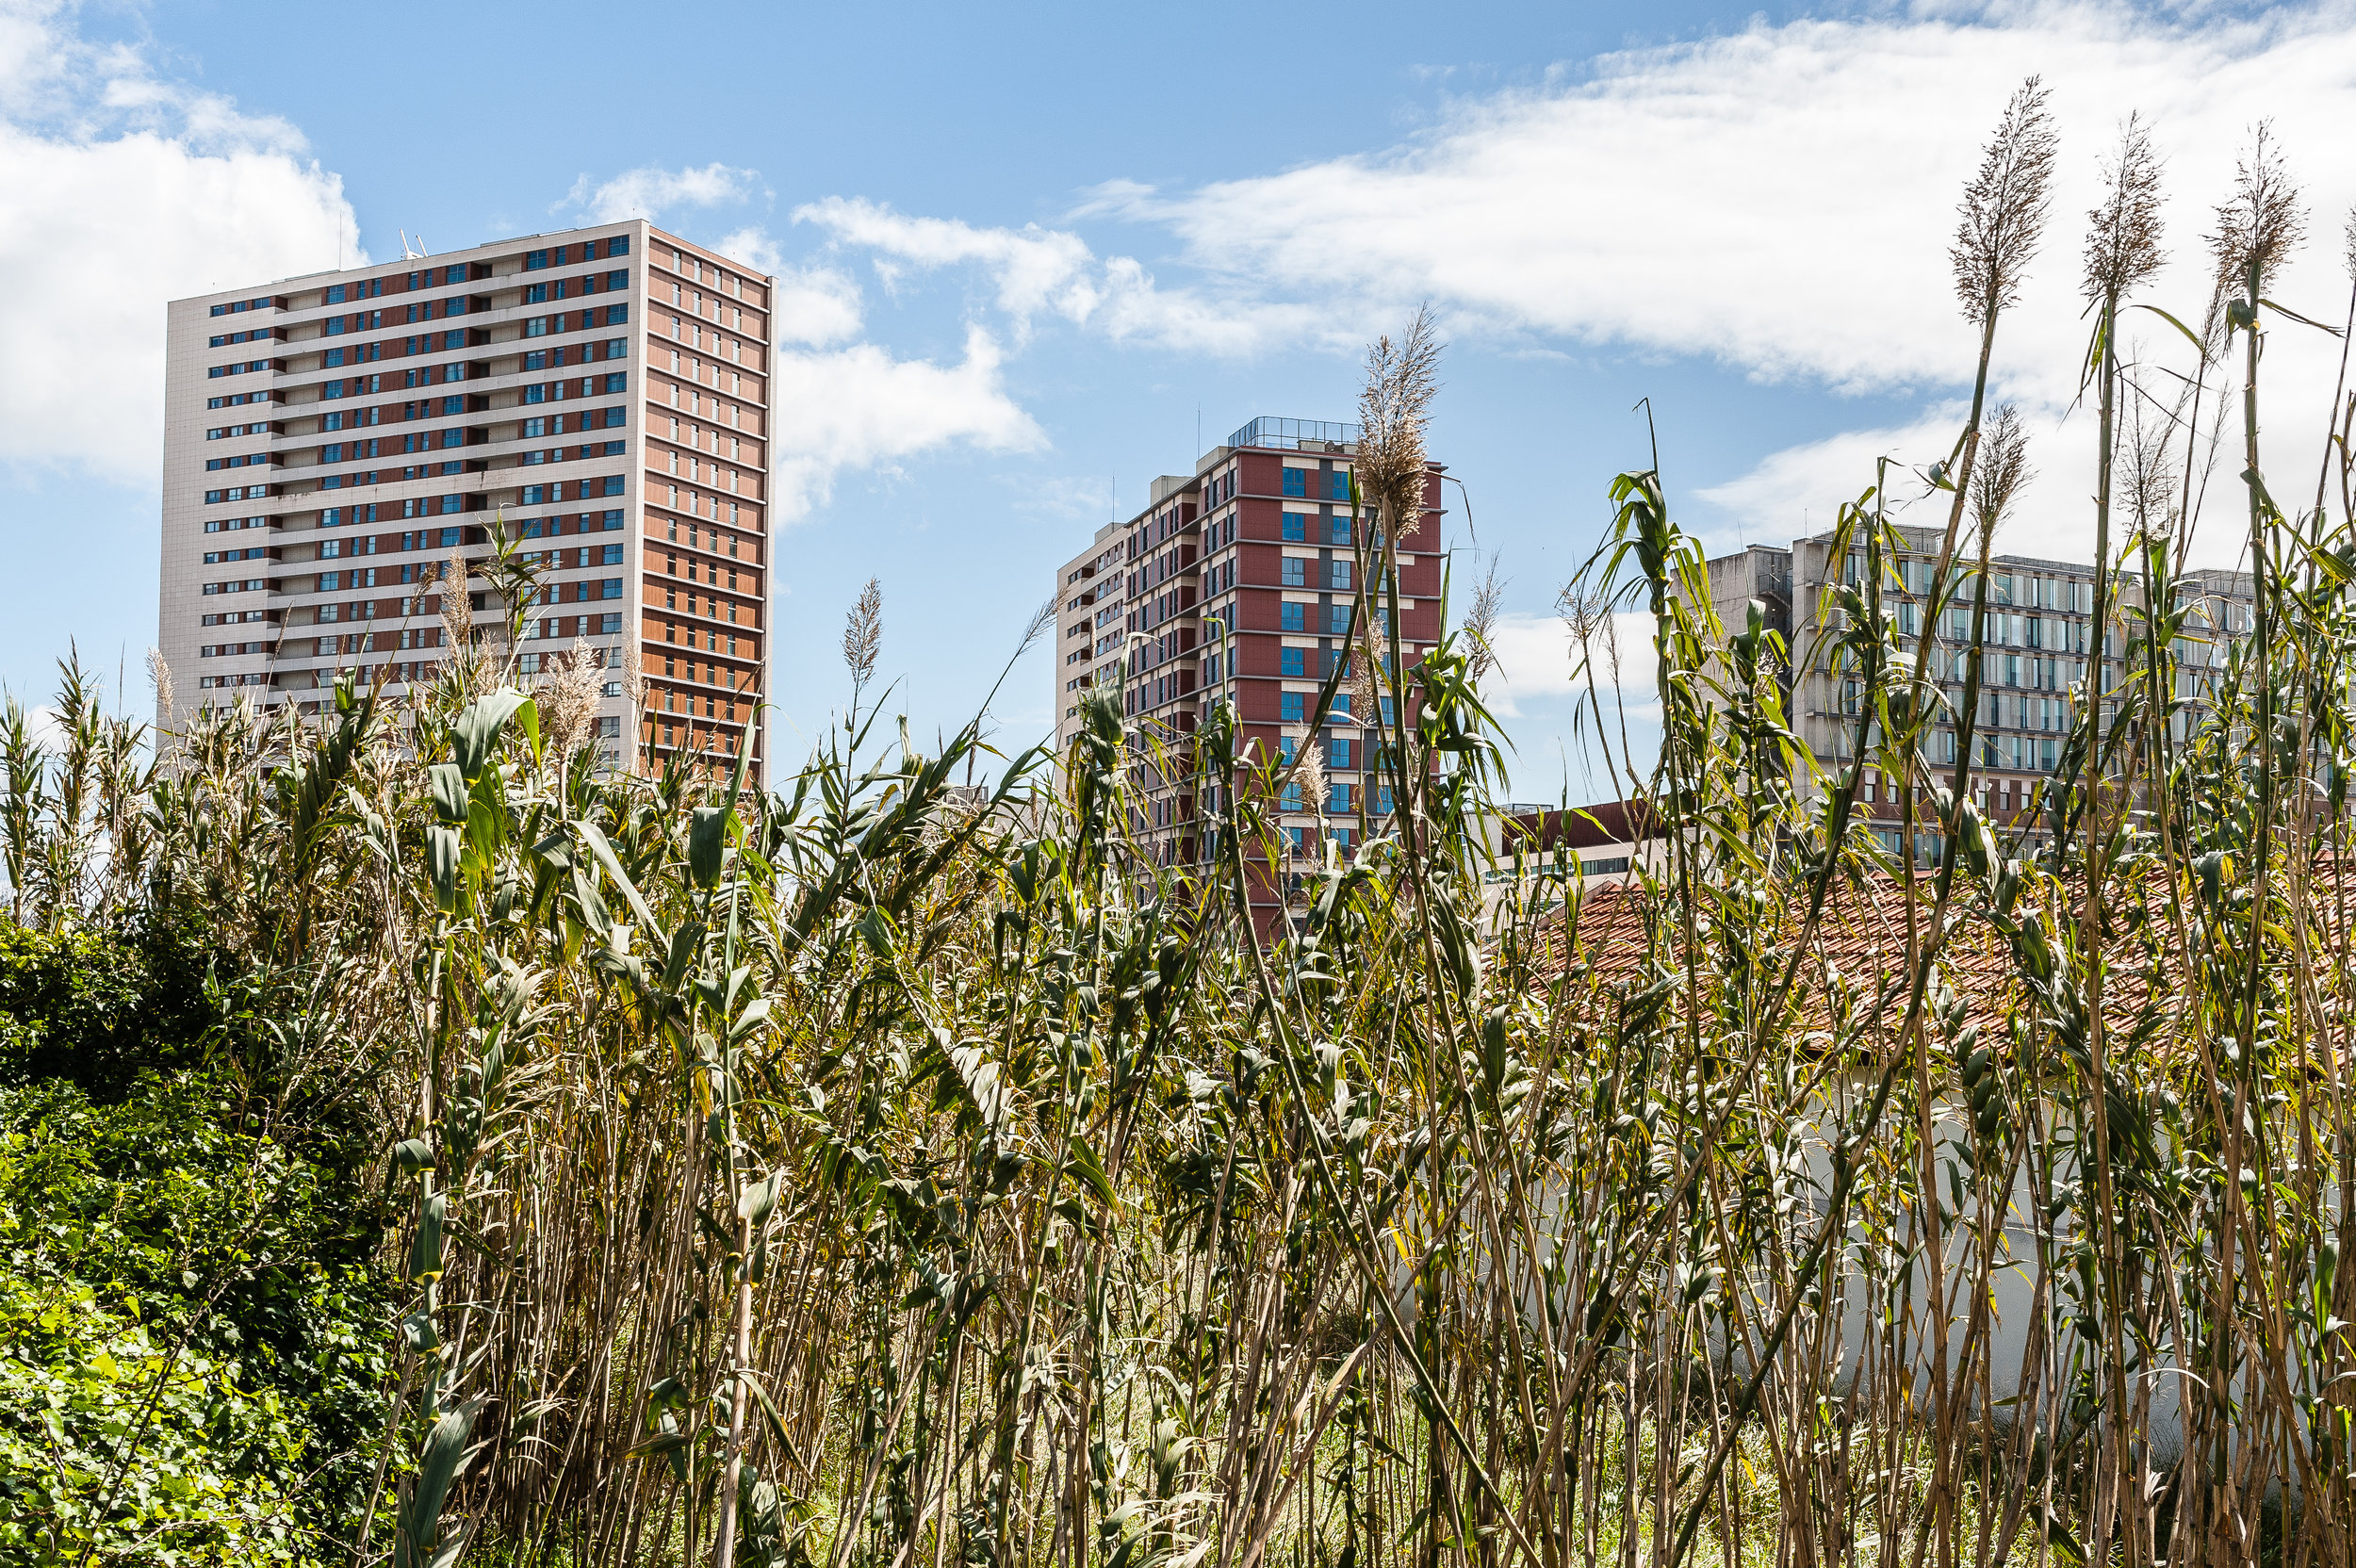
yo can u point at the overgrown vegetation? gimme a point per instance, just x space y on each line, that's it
426 1146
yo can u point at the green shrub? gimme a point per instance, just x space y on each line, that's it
179 1289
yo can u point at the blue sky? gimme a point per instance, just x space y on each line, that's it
1028 252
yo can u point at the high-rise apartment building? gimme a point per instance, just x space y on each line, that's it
2038 646
603 395
1236 582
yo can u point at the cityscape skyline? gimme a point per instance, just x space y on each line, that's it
984 330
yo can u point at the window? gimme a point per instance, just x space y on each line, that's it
1297 482
1382 800
1297 526
1293 662
536 294
612 555
1340 801
1339 535
1337 752
1337 620
534 260
1337 485
335 295
1290 708
1292 616
1296 571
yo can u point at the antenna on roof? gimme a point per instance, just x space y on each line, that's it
411 251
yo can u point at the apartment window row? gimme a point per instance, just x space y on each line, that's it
244 367
216 558
710 639
239 400
240 585
1299 526
236 617
539 455
253 678
541 293
412 443
257 460
417 408
361 354
369 321
579 557
562 490
694 268
1332 620
236 306
603 623
588 250
1298 571
239 493
259 334
223 433
232 650
695 504
578 321
1293 707
709 606
1333 486
613 384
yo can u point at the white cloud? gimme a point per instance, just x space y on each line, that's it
1782 199
1037 272
857 407
117 193
645 192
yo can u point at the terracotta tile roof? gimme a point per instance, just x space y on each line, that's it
1618 938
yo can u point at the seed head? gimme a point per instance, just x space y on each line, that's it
2264 223
2123 232
2004 206
1393 411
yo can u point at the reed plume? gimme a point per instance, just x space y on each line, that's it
862 637
2123 245
2004 206
2264 221
1393 411
160 677
569 689
1480 621
2003 470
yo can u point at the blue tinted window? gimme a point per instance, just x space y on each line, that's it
335 295
1292 618
1297 526
1337 752
1293 662
1290 706
1295 482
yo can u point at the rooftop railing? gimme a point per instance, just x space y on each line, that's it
1269 431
